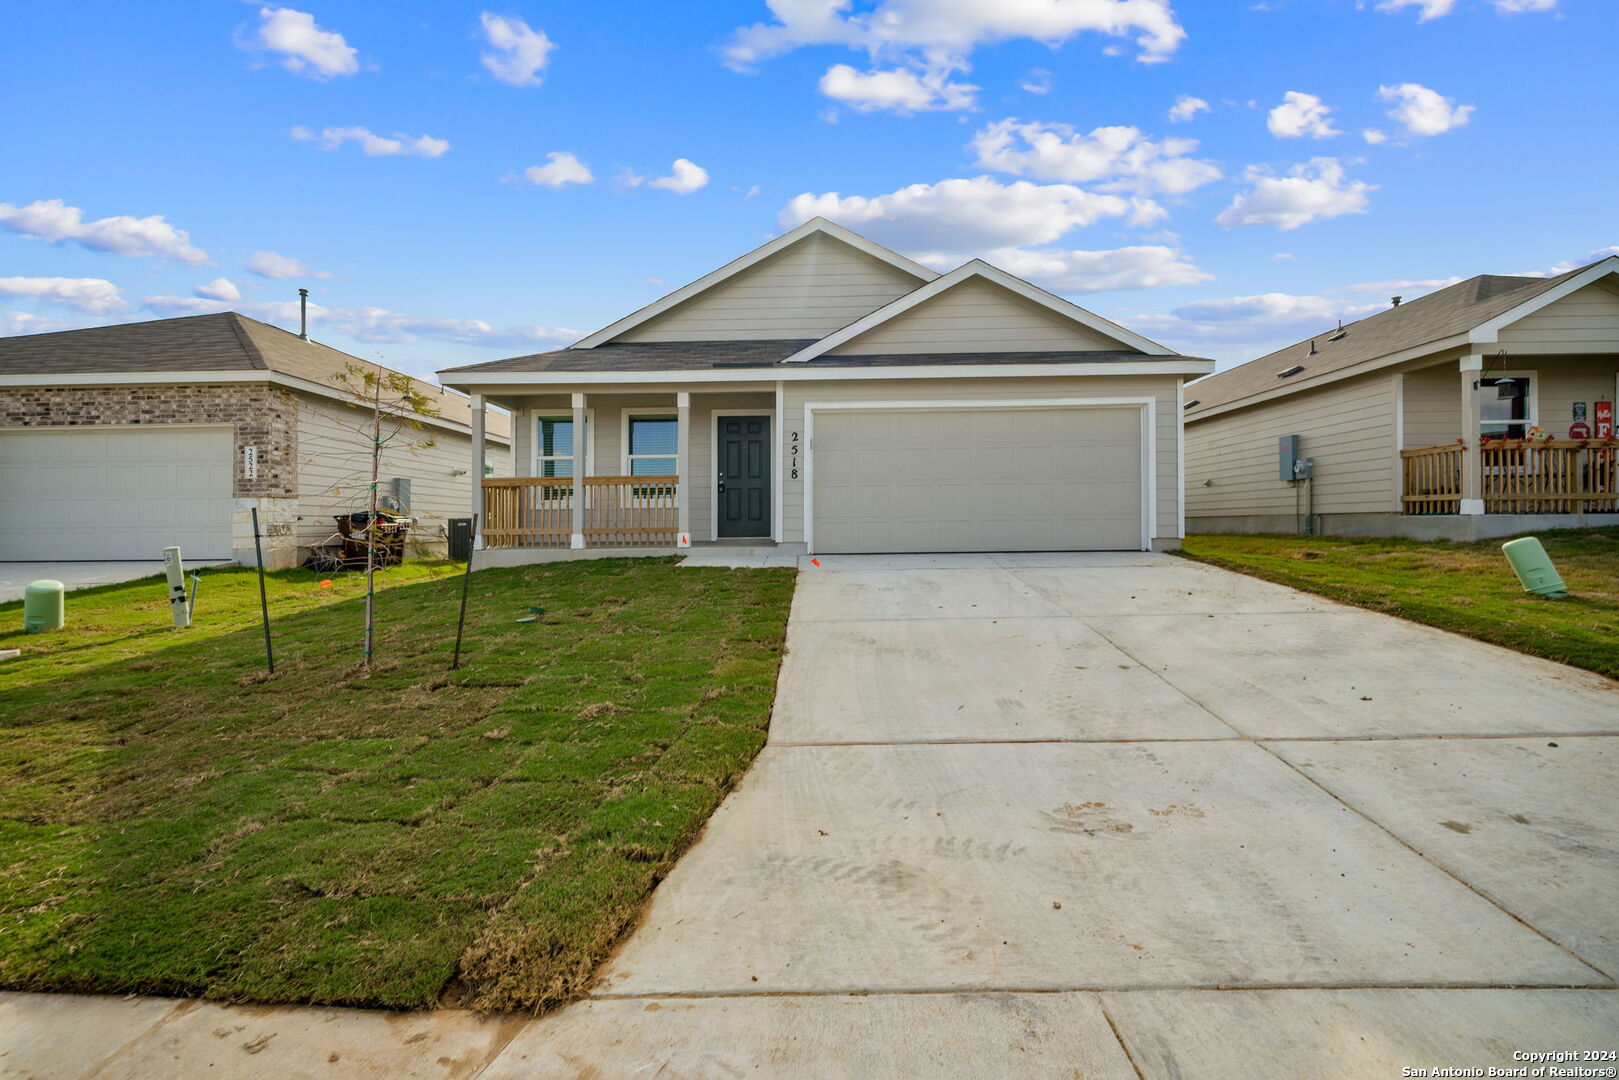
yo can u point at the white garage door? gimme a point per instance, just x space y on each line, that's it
115 494
977 479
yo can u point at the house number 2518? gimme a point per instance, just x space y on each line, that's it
792 450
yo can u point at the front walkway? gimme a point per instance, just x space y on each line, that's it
1046 815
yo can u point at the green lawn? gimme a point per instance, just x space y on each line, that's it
1467 588
174 821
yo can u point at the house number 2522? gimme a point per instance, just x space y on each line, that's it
792 451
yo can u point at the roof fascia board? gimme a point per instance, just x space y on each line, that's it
1362 368
753 258
977 268
1487 333
1177 365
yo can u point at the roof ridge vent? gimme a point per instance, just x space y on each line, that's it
1339 335
1287 373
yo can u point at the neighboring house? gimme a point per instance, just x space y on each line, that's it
116 441
1482 409
825 393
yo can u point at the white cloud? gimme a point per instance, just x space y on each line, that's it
1037 81
1310 192
563 168
93 295
1122 156
24 322
1407 288
900 90
1573 264
1518 7
1285 256
966 215
949 30
517 53
1423 111
1426 9
1374 137
1243 327
55 222
220 288
373 145
305 48
271 265
684 178
1140 267
374 324
1299 115
1185 108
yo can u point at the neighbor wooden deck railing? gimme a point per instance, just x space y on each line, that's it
1549 476
620 511
1517 476
1433 479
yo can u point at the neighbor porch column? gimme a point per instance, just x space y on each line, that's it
1472 366
683 467
479 450
581 455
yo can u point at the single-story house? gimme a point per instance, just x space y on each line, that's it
825 394
1483 409
117 441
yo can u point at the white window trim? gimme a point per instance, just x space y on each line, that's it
1534 399
536 458
1149 448
714 471
673 412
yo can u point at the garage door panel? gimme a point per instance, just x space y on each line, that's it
88 494
977 479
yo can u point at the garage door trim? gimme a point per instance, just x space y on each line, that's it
1148 407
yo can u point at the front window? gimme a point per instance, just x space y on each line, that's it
651 449
1505 407
555 446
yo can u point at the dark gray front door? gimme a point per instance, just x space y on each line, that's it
743 484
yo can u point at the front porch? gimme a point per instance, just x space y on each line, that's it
1517 476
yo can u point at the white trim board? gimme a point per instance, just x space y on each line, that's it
977 269
714 470
814 226
519 380
1149 449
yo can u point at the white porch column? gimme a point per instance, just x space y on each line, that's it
581 457
1472 366
479 450
683 466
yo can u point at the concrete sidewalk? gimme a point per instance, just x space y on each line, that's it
1047 815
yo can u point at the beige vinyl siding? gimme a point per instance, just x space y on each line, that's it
608 452
334 471
1589 316
1161 388
1347 428
1432 406
807 291
977 316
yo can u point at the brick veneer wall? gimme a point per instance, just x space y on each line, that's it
264 416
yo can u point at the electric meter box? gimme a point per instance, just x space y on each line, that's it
1287 453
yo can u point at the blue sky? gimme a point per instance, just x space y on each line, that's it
397 158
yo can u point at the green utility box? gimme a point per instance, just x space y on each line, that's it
44 606
1534 567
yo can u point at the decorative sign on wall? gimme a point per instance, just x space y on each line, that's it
250 463
1604 415
1579 412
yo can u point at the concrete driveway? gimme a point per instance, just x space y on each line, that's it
1120 816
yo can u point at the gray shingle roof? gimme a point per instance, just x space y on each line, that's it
717 355
1453 310
227 341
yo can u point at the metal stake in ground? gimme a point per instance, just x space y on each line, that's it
466 583
264 603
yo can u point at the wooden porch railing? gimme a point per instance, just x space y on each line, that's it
1549 476
1539 476
1433 479
620 511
